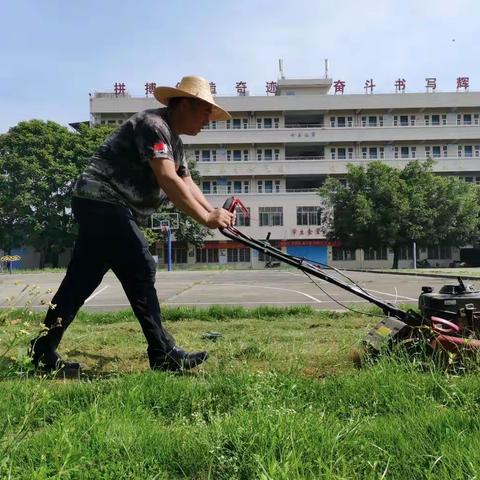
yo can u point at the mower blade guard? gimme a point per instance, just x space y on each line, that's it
386 333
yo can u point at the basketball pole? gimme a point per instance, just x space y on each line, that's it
169 247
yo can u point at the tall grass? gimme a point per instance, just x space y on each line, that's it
279 399
387 421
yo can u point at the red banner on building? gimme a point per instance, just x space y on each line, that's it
309 243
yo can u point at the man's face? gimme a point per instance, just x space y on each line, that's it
196 114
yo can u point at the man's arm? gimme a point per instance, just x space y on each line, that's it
180 195
197 193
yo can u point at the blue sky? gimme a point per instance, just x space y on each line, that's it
54 52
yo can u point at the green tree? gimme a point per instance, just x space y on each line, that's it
381 205
38 164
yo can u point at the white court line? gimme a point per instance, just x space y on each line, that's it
366 289
391 295
270 288
93 295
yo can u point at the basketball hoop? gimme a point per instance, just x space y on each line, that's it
159 220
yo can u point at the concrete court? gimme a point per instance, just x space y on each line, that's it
249 288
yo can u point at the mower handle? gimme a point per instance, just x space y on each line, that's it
232 203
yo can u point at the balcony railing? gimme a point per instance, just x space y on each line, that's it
226 191
355 158
354 125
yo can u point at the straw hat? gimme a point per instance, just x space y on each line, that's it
193 87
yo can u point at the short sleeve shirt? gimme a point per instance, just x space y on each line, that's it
120 171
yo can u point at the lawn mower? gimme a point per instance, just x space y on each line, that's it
447 321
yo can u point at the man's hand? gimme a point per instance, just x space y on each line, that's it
219 218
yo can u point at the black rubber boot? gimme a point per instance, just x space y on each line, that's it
177 360
46 359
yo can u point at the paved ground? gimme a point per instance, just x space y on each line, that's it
243 287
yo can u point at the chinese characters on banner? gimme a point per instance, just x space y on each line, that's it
369 85
241 88
271 87
400 85
150 88
462 83
431 84
119 88
306 231
339 86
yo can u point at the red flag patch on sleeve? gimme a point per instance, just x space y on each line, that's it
160 149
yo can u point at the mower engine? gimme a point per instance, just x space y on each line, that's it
449 301
453 315
448 320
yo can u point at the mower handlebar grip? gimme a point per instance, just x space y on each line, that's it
229 202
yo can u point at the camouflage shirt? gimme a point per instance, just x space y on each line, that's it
120 172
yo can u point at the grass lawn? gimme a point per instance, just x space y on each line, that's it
279 398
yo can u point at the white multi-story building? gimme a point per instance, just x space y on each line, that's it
277 150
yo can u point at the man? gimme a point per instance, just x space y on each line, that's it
139 167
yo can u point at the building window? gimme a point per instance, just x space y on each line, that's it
268 154
343 254
436 151
268 186
373 153
309 216
467 119
435 119
237 123
469 151
268 122
242 219
206 255
439 252
379 253
342 153
341 122
235 255
270 216
403 120
237 155
238 186
209 187
206 155
404 152
372 121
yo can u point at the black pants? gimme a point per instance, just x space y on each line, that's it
109 238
